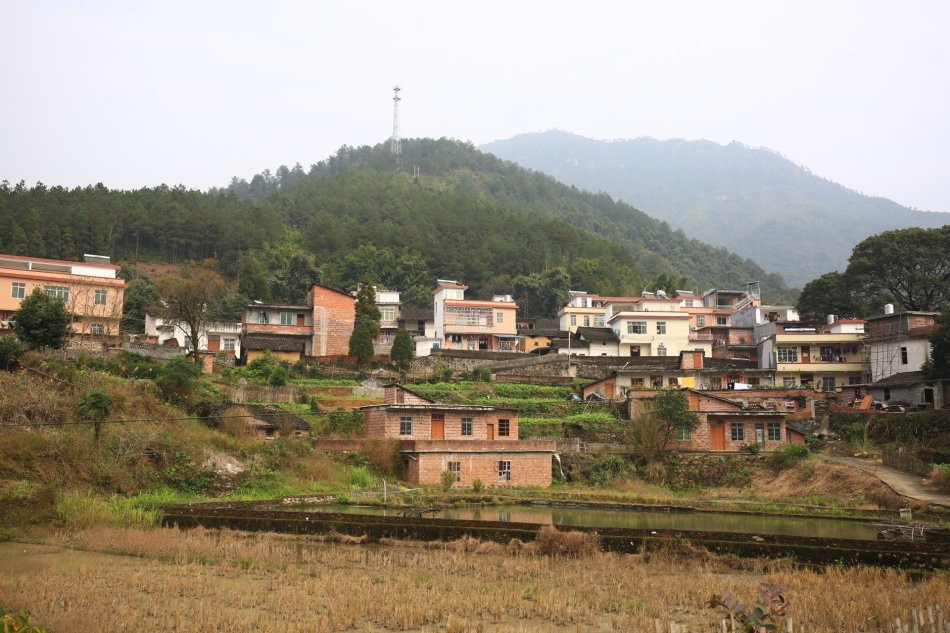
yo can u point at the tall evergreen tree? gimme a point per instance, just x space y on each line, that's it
402 351
361 345
367 312
43 321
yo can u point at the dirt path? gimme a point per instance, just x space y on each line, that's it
905 484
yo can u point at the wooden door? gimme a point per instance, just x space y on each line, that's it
438 427
214 343
300 319
609 391
717 437
490 431
806 354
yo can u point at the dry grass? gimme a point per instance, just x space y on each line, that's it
228 581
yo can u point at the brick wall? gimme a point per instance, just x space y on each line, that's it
333 316
527 469
395 394
699 439
385 422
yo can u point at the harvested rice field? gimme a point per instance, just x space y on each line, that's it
170 580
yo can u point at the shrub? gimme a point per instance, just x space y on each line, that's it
382 453
361 478
178 379
278 376
477 485
447 480
941 477
753 448
552 542
11 351
601 471
787 456
441 373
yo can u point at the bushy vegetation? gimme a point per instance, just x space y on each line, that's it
787 456
941 477
11 351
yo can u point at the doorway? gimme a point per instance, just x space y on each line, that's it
490 431
760 434
717 437
438 426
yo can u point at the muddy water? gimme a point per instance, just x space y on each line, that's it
634 519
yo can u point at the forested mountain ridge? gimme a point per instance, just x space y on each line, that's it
751 201
471 216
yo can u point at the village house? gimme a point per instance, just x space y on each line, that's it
539 335
388 303
420 324
473 442
91 291
221 337
289 332
653 325
590 341
466 324
898 346
687 369
584 310
826 358
724 424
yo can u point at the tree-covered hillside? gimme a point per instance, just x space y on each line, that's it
471 216
751 201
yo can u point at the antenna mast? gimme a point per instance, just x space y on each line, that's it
396 144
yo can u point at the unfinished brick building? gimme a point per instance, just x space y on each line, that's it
474 442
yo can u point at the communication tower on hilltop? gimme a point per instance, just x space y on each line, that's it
396 144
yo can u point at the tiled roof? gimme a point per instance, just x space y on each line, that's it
597 334
416 314
275 343
901 379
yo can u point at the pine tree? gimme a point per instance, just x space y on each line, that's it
402 351
361 345
367 313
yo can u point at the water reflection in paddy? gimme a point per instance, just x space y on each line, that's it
634 519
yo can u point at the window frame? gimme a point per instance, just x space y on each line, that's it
785 354
826 357
722 321
226 341
455 467
387 313
700 320
825 381
18 285
788 382
737 431
499 317
775 436
405 425
263 318
504 470
636 327
504 427
661 350
104 294
287 318
661 327
683 435
904 355
97 326
599 320
58 292
467 420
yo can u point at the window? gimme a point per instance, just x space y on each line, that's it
737 431
788 382
661 327
636 327
504 428
387 313
96 329
586 320
788 354
405 425
774 430
270 433
826 355
58 292
720 320
688 303
455 467
683 435
828 383
262 318
854 380
673 382
661 350
229 344
100 298
573 319
467 427
636 382
19 290
887 394
504 471
599 320
286 318
700 320
903 356
656 382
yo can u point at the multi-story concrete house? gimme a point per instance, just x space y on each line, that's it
90 290
219 336
897 346
470 441
585 310
466 324
826 358
589 341
388 303
724 424
652 326
289 332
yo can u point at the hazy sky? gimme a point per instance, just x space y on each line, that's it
135 94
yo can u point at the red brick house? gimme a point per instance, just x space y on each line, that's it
724 424
290 332
472 441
